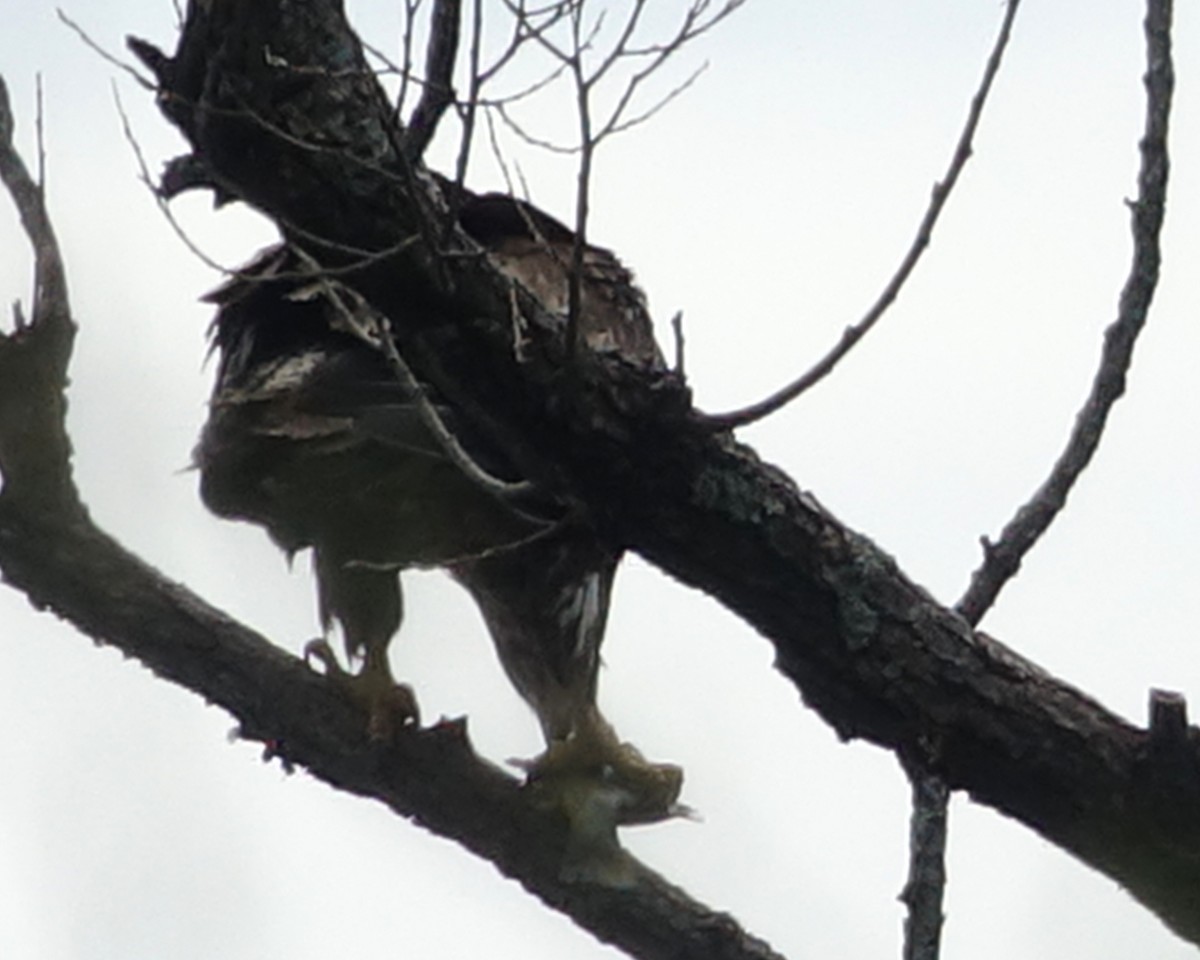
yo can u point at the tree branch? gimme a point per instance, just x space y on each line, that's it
35 451
922 894
438 91
430 776
1002 559
937 202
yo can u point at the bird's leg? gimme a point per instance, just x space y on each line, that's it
592 749
390 705
366 602
546 603
600 783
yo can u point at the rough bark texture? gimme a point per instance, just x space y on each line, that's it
282 112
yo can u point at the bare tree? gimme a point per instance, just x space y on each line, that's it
302 131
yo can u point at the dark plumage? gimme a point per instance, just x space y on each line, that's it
312 435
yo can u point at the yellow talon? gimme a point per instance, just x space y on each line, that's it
390 705
598 784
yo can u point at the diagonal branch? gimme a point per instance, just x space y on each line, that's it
937 202
431 776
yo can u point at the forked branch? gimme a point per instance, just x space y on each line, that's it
923 894
34 448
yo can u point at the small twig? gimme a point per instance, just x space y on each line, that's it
382 340
104 54
40 127
616 125
941 193
523 29
583 183
50 286
441 52
390 66
532 139
523 93
406 48
498 154
693 26
467 116
1002 559
588 66
677 331
165 208
922 894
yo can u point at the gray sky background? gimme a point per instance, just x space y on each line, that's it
770 204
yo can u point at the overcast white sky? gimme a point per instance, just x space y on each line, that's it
769 204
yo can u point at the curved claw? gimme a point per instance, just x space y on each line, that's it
319 649
390 706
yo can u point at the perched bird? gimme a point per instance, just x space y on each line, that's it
313 435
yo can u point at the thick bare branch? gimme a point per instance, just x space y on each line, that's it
431 776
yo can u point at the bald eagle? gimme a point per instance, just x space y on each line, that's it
312 435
